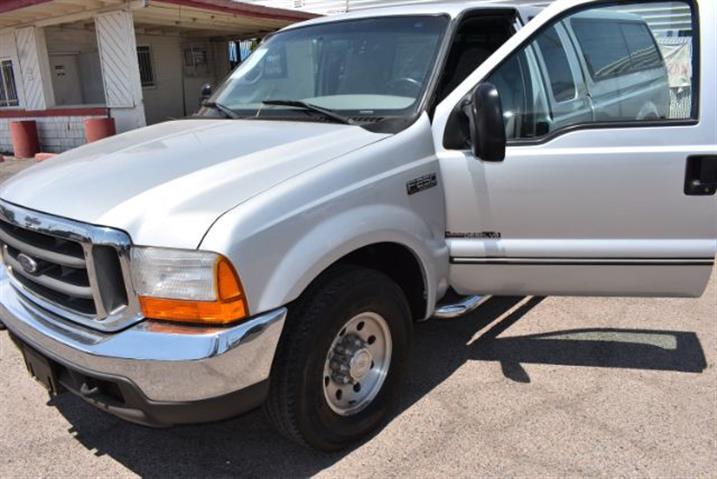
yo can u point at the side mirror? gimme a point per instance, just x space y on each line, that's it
206 92
485 116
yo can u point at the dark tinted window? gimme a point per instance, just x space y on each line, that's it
557 65
604 47
641 44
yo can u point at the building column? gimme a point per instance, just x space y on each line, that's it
34 68
120 69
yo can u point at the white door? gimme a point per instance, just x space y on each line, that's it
608 184
66 80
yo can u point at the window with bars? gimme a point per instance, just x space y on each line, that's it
8 91
146 72
195 57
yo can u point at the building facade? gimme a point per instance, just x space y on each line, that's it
136 61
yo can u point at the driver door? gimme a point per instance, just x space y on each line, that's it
608 182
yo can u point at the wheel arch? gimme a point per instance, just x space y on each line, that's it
398 262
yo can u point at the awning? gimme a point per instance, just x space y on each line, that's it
194 17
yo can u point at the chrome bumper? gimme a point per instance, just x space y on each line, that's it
167 363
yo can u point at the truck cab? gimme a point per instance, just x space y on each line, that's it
354 175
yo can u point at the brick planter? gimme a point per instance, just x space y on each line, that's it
99 128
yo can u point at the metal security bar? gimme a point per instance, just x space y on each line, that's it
8 91
146 73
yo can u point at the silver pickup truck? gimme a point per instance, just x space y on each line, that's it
358 173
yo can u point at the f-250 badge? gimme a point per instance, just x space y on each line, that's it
422 183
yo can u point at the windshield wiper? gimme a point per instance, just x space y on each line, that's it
228 112
308 106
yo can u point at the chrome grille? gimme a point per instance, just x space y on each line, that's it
76 270
59 267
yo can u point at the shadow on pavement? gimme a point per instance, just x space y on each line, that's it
248 446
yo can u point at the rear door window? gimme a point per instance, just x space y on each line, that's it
557 65
603 46
643 50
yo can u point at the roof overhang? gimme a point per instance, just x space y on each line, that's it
197 17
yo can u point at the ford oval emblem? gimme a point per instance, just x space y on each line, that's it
28 264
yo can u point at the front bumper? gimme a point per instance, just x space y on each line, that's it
152 373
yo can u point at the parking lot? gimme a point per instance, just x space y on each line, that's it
523 387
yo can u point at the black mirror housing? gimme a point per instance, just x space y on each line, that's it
485 116
206 92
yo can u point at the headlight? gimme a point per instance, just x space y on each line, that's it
187 286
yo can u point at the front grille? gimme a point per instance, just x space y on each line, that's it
74 270
59 270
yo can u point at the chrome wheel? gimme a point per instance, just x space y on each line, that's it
357 363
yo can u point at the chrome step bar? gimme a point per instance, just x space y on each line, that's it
466 305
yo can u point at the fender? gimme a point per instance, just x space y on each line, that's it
349 232
276 267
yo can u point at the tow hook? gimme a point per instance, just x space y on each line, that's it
88 391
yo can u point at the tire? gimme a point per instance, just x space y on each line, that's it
298 403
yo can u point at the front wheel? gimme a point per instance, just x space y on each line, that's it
339 365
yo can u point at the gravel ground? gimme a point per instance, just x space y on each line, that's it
527 387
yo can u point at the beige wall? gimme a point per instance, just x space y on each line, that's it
164 100
177 88
194 78
82 45
217 68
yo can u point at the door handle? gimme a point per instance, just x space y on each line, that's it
701 175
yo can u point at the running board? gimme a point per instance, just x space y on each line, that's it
466 305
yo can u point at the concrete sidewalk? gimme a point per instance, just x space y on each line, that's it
12 165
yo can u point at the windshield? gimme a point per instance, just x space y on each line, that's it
370 68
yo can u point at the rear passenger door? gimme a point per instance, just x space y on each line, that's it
594 197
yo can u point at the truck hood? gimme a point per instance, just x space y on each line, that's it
166 184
